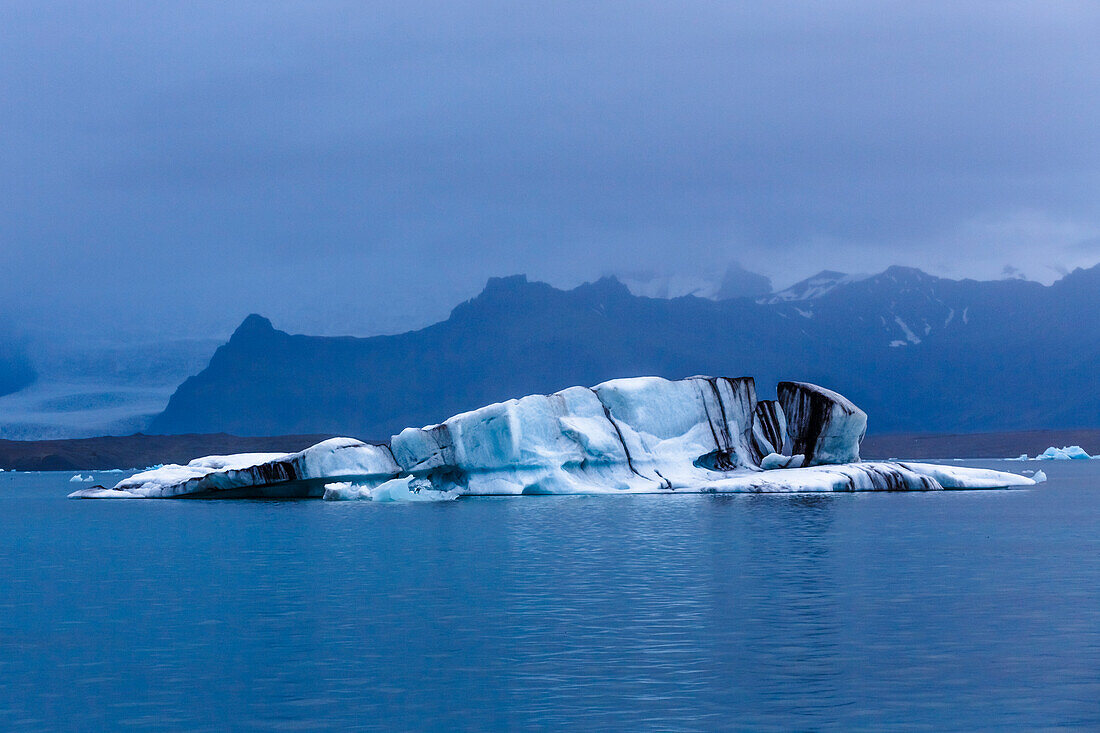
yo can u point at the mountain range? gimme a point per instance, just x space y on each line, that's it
917 352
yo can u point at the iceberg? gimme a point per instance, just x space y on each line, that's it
1068 453
636 435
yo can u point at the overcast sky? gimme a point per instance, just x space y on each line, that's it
362 166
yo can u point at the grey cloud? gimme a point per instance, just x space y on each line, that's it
358 167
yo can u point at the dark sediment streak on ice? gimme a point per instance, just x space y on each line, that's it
822 425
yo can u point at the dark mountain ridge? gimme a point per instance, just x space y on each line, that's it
917 352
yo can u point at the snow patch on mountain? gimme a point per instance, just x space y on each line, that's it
813 287
909 335
735 282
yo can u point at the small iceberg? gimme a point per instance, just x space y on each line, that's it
1039 477
1068 453
77 478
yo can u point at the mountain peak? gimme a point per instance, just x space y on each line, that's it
605 286
828 275
507 284
253 325
741 283
812 287
900 272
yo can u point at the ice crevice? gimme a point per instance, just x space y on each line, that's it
637 435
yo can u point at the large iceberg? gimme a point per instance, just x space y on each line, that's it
638 435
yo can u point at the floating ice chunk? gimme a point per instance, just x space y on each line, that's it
821 424
77 478
346 491
1068 453
264 474
404 489
1021 457
1039 477
773 461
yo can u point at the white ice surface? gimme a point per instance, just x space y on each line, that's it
958 477
547 444
877 476
667 426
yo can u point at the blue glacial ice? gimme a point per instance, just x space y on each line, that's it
1068 453
637 435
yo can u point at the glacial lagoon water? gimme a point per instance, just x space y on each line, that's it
922 611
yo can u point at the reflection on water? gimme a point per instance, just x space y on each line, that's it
948 610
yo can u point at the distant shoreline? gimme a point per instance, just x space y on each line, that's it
976 445
139 451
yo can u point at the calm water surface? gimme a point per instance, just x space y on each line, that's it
954 610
